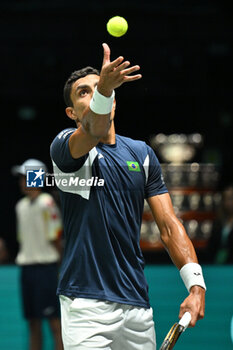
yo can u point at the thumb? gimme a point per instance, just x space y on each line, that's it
106 58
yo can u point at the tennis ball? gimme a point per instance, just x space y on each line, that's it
117 26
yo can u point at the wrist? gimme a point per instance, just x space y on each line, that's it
192 276
197 290
101 104
104 92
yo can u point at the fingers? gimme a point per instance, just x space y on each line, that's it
107 52
114 64
117 63
193 318
106 58
196 311
130 70
185 319
195 304
128 79
114 74
125 72
184 307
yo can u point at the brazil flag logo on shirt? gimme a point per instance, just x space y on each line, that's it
133 166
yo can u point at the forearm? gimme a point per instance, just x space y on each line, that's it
172 232
96 125
181 251
177 243
97 116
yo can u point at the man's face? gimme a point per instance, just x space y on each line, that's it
81 94
28 191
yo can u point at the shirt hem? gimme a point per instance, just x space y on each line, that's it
76 294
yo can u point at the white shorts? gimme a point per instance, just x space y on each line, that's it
95 324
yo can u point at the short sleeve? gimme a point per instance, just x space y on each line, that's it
155 183
60 152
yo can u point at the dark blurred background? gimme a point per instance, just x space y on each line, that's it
184 48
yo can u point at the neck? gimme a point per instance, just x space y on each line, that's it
33 194
110 138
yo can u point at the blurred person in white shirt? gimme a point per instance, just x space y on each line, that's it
39 230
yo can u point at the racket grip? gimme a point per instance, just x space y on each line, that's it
185 320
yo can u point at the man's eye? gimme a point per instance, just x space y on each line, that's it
83 92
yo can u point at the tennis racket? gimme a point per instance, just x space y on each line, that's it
176 330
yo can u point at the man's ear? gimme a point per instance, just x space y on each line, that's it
70 113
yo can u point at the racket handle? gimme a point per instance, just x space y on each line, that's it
185 320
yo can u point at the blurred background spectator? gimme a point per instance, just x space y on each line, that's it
39 229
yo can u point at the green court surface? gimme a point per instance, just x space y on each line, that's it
166 293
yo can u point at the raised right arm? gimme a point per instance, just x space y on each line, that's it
95 125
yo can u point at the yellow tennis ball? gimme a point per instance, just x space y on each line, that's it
117 26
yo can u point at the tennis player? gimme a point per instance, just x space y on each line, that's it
103 180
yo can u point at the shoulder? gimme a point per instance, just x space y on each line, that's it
63 135
130 142
140 148
135 145
21 202
60 143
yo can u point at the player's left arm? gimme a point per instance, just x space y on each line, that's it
180 249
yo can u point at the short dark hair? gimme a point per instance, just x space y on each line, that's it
72 78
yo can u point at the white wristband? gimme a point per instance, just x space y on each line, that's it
191 275
101 104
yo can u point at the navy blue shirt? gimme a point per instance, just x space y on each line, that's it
102 198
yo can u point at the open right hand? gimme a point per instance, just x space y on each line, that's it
114 74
